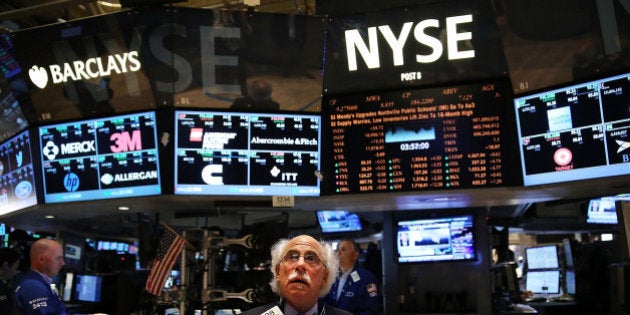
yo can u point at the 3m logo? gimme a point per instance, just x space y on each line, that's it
124 142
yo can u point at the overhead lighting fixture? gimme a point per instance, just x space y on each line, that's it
123 208
49 216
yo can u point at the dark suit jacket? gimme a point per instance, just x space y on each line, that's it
323 310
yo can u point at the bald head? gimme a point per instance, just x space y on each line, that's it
47 257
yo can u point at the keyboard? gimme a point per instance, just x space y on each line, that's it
522 308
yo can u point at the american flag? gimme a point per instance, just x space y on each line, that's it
171 245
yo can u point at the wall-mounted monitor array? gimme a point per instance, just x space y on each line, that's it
235 153
109 157
436 138
445 238
335 221
575 132
17 179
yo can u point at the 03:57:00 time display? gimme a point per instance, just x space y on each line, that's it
414 146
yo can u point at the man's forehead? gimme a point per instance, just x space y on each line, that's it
304 242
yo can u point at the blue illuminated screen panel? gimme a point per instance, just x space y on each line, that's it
255 154
436 239
333 221
542 257
575 132
543 281
603 210
112 157
17 179
88 288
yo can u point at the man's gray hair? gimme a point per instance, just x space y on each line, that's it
330 262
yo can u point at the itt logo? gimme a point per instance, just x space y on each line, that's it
71 182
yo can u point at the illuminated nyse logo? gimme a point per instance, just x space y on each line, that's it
71 182
107 178
370 51
51 150
91 68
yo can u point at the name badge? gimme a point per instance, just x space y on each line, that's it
355 276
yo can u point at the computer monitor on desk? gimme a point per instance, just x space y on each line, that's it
88 288
543 283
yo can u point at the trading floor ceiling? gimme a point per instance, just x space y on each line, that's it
503 203
20 14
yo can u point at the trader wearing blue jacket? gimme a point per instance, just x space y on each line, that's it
356 290
34 294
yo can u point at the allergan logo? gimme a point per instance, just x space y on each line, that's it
91 68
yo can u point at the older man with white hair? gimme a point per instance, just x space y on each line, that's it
303 270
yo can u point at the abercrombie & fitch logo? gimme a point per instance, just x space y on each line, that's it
91 68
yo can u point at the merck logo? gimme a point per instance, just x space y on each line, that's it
91 68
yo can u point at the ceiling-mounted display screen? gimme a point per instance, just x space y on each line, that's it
575 132
256 154
335 221
17 181
110 157
439 138
444 238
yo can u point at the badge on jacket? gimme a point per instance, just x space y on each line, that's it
372 289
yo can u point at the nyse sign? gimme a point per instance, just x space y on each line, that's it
370 51
423 45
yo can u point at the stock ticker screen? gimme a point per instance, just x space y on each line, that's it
256 154
575 132
110 157
435 138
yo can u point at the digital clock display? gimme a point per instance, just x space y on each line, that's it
438 138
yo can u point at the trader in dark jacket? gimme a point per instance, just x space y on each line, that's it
303 271
356 289
34 294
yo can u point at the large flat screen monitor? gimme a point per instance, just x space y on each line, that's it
436 138
575 132
255 154
542 257
17 179
445 238
335 221
110 157
543 281
603 210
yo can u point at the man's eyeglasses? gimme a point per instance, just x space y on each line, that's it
292 258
